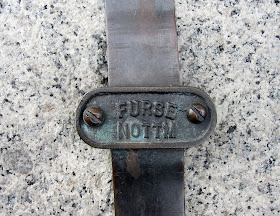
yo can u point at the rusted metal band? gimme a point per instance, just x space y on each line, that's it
142 43
142 51
149 182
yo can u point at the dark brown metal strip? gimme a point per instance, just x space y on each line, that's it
142 43
148 182
142 51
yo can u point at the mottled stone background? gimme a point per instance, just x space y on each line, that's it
53 52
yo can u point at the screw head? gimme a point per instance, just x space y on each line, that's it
196 113
93 116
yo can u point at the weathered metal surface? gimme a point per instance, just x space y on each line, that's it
148 182
93 116
197 113
148 117
142 51
142 43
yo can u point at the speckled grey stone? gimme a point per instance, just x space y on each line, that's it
54 51
18 161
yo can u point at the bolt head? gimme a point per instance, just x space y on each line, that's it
93 116
197 113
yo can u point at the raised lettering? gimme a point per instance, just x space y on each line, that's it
170 111
158 109
121 109
123 130
146 107
135 128
134 108
157 126
146 129
168 130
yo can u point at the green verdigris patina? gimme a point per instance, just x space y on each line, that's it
147 117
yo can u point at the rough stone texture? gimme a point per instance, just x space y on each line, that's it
52 52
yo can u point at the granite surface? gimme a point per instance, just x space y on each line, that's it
53 52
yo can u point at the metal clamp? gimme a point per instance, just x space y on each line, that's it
147 117
141 124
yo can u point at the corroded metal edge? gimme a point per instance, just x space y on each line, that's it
161 144
148 182
142 43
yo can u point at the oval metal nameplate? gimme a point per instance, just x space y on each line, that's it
146 117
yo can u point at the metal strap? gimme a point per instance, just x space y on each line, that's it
142 51
142 43
149 182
